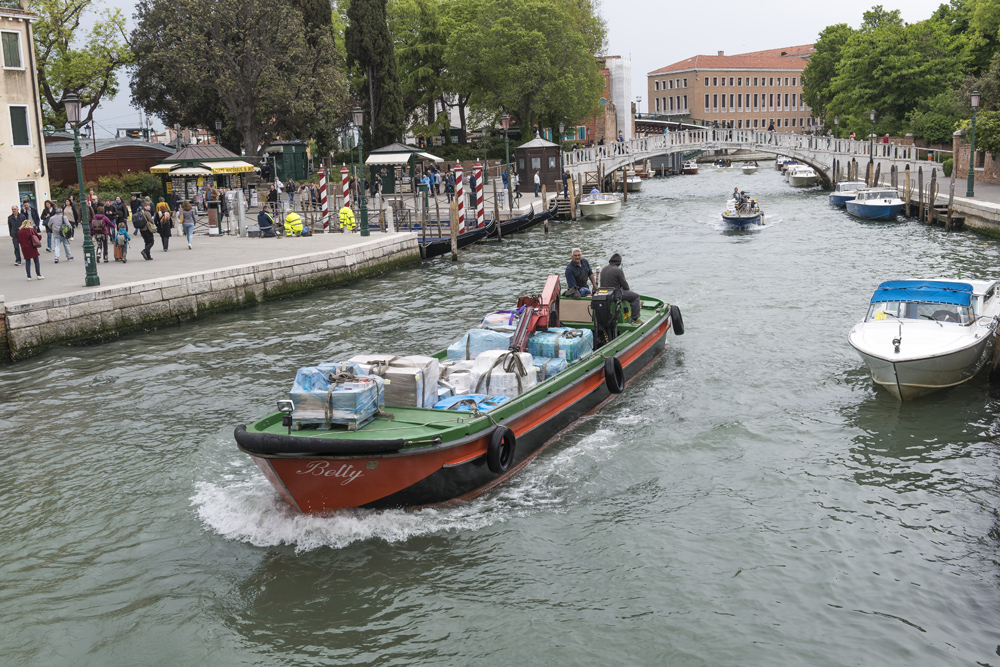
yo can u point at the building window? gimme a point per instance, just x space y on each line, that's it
755 101
26 193
723 82
685 101
656 85
739 102
706 103
793 122
715 81
671 104
793 101
11 50
772 81
770 102
754 81
685 83
19 125
715 102
739 124
677 83
739 81
730 81
670 84
755 123
657 105
723 101
732 98
786 80
793 82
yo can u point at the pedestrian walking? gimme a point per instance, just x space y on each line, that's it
147 231
290 189
449 186
100 230
61 232
164 225
538 183
30 241
47 210
565 182
188 219
122 239
13 226
28 212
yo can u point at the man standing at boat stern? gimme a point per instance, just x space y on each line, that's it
613 277
578 273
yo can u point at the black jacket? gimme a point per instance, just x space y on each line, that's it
13 224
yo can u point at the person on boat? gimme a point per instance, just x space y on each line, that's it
579 273
612 277
346 219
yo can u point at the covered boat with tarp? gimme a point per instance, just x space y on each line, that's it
347 438
923 335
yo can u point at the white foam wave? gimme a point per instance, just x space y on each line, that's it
245 508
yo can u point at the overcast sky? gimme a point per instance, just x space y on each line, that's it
655 33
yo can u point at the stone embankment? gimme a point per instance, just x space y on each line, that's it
105 313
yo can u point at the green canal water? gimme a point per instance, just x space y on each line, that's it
750 500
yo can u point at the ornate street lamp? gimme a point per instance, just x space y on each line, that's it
359 119
971 189
505 121
871 148
638 105
836 127
562 128
72 105
218 131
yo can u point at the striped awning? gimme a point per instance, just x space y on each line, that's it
232 167
191 171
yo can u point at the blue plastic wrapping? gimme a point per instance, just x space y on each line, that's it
562 343
503 319
549 366
351 403
477 341
462 402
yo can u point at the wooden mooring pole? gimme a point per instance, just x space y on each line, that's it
453 225
951 198
878 175
932 198
907 190
920 193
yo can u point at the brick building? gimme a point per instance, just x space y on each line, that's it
749 90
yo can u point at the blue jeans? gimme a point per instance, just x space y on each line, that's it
17 250
62 243
189 231
38 267
48 240
584 291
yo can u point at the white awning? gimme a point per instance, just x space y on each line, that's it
432 158
164 167
191 171
388 158
231 167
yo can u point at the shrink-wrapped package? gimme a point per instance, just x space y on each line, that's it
549 366
463 403
335 394
477 341
412 381
562 343
503 373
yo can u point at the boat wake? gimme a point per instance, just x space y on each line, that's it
246 508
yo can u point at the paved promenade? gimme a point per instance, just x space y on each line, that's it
209 253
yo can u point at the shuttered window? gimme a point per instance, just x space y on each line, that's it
19 126
11 49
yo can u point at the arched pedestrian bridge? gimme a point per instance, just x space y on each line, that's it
591 165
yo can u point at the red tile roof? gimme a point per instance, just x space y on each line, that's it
789 57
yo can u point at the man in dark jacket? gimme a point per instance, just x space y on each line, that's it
13 225
578 273
28 212
613 277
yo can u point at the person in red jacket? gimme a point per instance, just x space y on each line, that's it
26 239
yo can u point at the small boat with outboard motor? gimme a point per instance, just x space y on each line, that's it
633 181
923 335
845 191
881 204
380 431
801 176
743 212
749 168
600 205
690 167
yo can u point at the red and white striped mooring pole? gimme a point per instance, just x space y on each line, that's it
460 198
344 176
478 174
324 205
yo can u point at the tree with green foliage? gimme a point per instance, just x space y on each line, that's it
527 57
935 120
821 71
987 131
370 49
255 63
420 41
70 60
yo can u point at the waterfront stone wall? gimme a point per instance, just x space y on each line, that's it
92 316
987 164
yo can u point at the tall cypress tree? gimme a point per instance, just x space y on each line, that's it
369 47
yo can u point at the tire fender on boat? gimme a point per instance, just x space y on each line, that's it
614 375
677 320
500 452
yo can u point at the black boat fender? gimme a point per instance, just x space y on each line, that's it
614 375
678 321
500 453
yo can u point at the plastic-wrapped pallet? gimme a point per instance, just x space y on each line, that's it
503 373
449 367
562 343
502 319
461 381
549 366
477 341
412 380
335 394
464 403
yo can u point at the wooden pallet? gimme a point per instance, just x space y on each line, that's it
337 425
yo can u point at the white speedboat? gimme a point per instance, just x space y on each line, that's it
801 176
690 167
923 335
749 168
600 205
845 191
633 181
876 204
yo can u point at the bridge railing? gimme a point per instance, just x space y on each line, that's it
772 142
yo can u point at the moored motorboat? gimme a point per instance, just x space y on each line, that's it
801 176
404 456
600 205
845 191
690 167
633 182
876 204
923 335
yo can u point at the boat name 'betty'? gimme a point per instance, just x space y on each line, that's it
322 469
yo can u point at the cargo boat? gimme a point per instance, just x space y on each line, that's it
421 456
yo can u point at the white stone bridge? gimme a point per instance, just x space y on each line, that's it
828 156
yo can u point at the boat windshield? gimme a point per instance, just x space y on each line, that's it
919 310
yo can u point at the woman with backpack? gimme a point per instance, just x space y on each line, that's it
61 232
100 230
188 218
147 230
164 224
30 241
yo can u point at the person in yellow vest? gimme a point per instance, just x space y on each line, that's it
346 219
293 224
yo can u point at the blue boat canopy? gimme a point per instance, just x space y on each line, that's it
930 291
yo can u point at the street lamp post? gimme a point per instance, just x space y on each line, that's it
218 131
836 127
871 149
971 189
72 105
505 121
562 128
359 118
